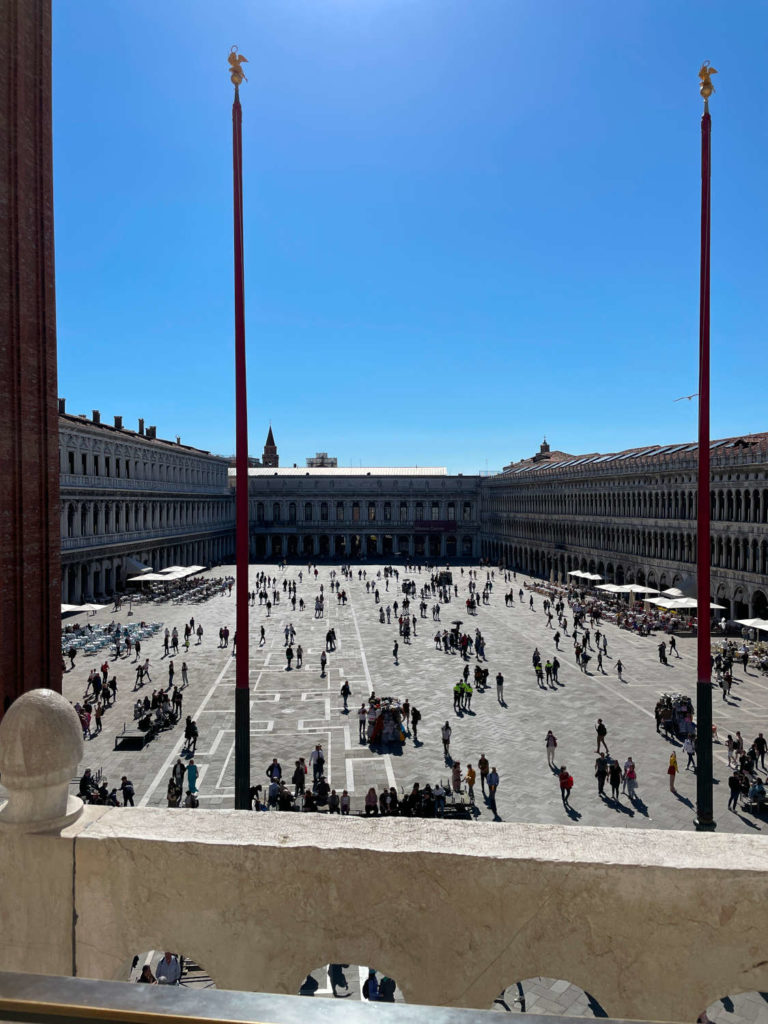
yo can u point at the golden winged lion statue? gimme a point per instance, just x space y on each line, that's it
234 60
705 74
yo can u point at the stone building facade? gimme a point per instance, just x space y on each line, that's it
631 517
130 498
349 513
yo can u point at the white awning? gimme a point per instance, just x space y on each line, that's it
133 565
754 623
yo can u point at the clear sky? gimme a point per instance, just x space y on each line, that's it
468 223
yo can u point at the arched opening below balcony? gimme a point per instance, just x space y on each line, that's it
746 1006
548 996
351 981
156 967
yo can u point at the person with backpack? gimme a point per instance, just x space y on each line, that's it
126 788
346 692
371 987
415 719
602 732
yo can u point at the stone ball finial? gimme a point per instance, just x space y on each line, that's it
41 745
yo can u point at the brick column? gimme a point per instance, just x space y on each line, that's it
30 569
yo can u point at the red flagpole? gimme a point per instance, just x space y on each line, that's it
242 672
704 821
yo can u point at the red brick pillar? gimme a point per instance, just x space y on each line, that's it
30 588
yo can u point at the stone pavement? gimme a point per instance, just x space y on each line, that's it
292 711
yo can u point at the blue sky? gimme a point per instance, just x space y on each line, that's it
468 223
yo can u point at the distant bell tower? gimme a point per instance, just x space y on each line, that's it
270 457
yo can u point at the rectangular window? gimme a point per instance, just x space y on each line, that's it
117 467
355 511
96 465
324 512
403 512
467 512
107 466
127 467
371 511
435 511
387 511
451 510
339 511
84 462
71 462
419 510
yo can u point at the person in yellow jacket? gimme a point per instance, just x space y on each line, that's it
469 778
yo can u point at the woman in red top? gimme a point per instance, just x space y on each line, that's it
566 784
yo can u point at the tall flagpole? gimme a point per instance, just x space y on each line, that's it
242 681
704 820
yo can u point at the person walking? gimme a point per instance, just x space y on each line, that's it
192 774
601 732
734 785
566 785
619 666
551 745
689 748
184 675
630 777
345 694
672 771
601 771
500 688
362 722
493 785
614 777
469 778
323 662
394 652
629 763
483 765
445 732
415 719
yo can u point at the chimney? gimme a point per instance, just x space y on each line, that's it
96 416
178 439
118 422
62 406
152 433
141 427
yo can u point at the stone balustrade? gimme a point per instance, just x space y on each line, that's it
655 925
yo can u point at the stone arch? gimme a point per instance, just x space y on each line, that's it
344 980
759 604
537 995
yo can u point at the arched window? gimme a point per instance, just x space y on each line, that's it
451 510
466 513
403 512
307 511
355 511
292 512
260 512
387 511
339 511
324 511
276 511
371 511
435 512
419 510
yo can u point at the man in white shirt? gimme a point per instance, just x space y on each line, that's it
690 750
168 971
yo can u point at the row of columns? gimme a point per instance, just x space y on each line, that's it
103 576
428 545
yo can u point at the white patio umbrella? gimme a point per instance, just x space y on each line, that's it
673 592
754 623
635 588
687 602
610 588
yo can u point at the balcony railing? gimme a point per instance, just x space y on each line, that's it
116 484
454 911
141 536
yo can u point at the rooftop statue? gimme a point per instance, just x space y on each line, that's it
705 72
234 60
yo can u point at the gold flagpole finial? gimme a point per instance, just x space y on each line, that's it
235 60
705 74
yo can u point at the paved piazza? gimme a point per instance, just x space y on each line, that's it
292 711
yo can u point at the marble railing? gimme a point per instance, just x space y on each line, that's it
655 925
